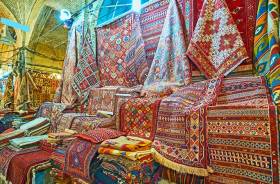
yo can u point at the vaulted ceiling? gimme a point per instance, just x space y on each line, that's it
42 18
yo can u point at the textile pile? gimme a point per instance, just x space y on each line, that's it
128 109
126 159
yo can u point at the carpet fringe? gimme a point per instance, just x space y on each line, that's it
179 167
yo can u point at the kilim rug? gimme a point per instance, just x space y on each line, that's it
69 96
217 49
78 158
244 15
51 111
243 144
85 123
244 91
120 51
180 141
138 117
152 20
86 73
99 135
170 65
102 99
7 154
21 163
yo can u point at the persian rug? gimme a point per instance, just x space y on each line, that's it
267 51
218 49
170 65
78 158
244 15
86 73
120 51
102 99
243 144
244 91
138 117
180 141
21 163
99 135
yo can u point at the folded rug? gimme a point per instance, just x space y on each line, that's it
180 142
27 141
128 143
216 46
5 138
81 152
135 155
98 135
21 163
7 154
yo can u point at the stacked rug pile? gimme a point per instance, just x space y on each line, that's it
126 160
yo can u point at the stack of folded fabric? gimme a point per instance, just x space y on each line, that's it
38 126
126 159
6 137
27 142
57 138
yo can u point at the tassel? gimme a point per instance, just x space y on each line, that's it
179 167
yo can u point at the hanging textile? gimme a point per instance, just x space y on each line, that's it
42 87
68 95
86 73
9 93
180 142
267 51
120 52
216 46
170 65
244 15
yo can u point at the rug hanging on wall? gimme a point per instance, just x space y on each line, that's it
120 52
86 73
217 49
244 15
170 65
